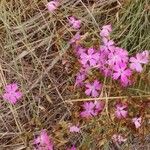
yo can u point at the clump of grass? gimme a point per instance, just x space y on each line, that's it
32 48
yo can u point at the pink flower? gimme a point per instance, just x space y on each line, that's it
119 55
122 73
92 109
88 110
74 129
121 111
12 94
43 142
117 138
99 106
79 50
52 6
75 23
138 60
75 38
90 58
93 89
106 30
137 121
108 44
72 148
80 77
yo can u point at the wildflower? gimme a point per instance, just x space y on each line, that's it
79 50
90 58
122 73
75 23
43 142
92 109
12 94
80 77
75 38
88 110
52 5
119 55
108 44
74 129
93 88
121 111
106 31
138 60
99 106
118 138
137 121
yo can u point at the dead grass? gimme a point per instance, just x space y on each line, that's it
33 43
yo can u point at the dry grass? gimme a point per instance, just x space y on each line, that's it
33 44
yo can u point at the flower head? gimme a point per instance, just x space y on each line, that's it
137 121
52 5
74 129
138 60
43 142
106 30
90 58
12 94
122 73
88 110
93 89
118 138
92 109
121 111
75 23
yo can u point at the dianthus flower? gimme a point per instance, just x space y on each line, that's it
138 60
52 5
106 30
74 129
75 23
90 58
43 142
108 44
119 55
93 89
92 109
118 139
121 111
137 121
122 73
12 94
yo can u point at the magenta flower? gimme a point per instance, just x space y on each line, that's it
52 5
118 139
12 94
106 30
99 106
119 55
92 109
137 121
80 77
75 23
88 110
121 72
90 58
108 44
138 60
79 50
75 38
74 129
93 89
121 111
43 142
